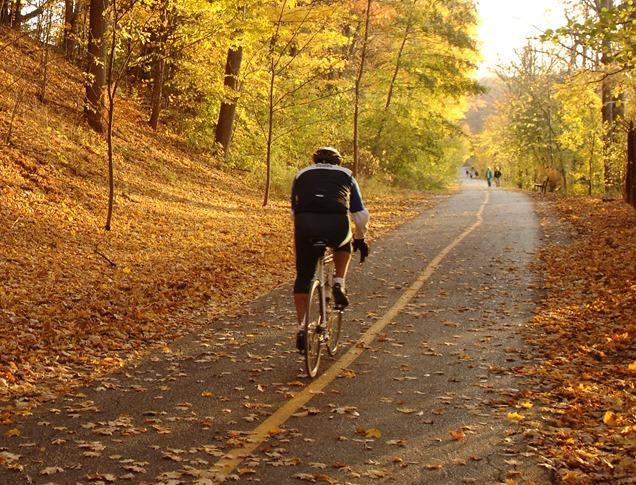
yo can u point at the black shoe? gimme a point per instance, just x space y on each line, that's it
300 340
339 296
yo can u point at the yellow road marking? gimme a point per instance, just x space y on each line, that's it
261 433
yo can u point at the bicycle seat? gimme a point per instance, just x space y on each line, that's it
318 243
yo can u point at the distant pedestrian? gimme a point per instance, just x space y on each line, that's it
489 177
497 176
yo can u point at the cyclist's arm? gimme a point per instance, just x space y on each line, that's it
359 214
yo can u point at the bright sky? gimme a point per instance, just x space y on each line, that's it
506 24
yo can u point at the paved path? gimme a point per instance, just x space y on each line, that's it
425 399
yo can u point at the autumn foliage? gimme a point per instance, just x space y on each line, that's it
189 242
585 336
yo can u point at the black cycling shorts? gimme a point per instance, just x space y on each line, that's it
309 227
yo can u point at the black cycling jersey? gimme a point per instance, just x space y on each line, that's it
326 189
323 195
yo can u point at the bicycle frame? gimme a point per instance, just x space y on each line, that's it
322 277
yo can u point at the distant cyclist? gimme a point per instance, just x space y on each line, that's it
323 195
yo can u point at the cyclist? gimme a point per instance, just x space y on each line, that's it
323 195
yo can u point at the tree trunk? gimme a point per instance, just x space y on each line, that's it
70 22
270 134
224 127
630 176
270 117
44 60
157 90
94 105
356 107
5 12
16 14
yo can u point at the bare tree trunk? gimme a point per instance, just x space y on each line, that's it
44 61
157 90
590 171
356 107
16 14
630 176
14 112
607 109
95 88
270 133
270 116
5 12
70 22
158 51
225 124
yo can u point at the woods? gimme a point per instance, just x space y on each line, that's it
257 85
564 108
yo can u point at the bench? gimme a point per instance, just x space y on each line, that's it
543 186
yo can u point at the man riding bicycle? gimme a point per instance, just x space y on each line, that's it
323 195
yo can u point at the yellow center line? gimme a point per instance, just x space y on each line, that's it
228 463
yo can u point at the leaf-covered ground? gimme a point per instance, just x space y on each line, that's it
189 242
584 336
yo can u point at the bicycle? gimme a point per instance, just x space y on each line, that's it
323 319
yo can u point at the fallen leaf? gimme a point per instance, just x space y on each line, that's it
515 417
407 410
14 432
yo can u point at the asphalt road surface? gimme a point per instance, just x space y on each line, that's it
422 391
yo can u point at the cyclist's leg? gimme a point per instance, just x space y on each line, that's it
306 258
341 257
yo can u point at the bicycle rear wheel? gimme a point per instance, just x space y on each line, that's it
312 325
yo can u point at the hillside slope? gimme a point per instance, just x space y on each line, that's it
189 241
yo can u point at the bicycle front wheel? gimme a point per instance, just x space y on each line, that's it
312 328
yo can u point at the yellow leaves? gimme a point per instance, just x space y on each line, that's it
574 477
405 410
207 394
612 419
310 477
514 416
112 362
13 433
126 270
372 433
526 404
348 374
632 367
609 418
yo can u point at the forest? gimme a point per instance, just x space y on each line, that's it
257 85
564 109
147 149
